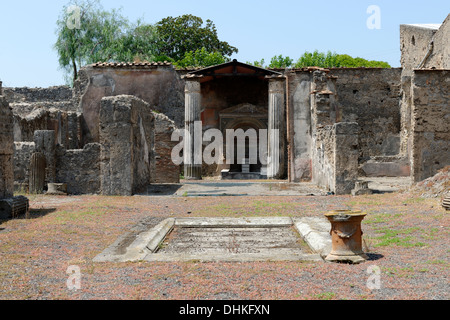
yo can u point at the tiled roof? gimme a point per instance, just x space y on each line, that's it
130 64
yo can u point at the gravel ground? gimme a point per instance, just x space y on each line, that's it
406 238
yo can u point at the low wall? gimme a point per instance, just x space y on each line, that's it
25 94
79 169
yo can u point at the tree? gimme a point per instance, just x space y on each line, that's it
201 58
330 60
99 35
259 64
138 44
180 35
280 62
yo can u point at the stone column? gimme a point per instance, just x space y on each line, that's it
45 142
6 150
192 147
275 165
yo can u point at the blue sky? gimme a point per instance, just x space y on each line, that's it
259 29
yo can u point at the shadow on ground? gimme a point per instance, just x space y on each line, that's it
161 190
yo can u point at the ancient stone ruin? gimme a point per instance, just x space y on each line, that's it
10 206
112 133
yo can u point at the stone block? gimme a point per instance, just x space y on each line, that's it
13 207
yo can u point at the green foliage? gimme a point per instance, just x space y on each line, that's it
109 37
201 58
99 37
279 62
138 44
259 64
180 35
330 60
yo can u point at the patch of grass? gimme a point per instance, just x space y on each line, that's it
325 296
378 218
414 200
397 237
437 262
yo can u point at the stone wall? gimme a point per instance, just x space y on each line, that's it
22 157
430 150
79 169
157 84
440 54
334 144
368 96
24 100
24 94
165 171
335 162
299 128
422 46
127 137
66 125
414 43
371 97
6 150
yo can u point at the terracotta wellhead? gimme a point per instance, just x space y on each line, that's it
346 236
446 201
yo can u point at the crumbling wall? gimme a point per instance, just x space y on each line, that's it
126 130
335 162
25 100
430 150
6 149
165 171
414 44
334 144
65 124
417 47
157 84
371 97
79 169
440 52
22 156
25 94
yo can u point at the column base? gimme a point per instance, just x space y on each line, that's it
354 259
192 172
